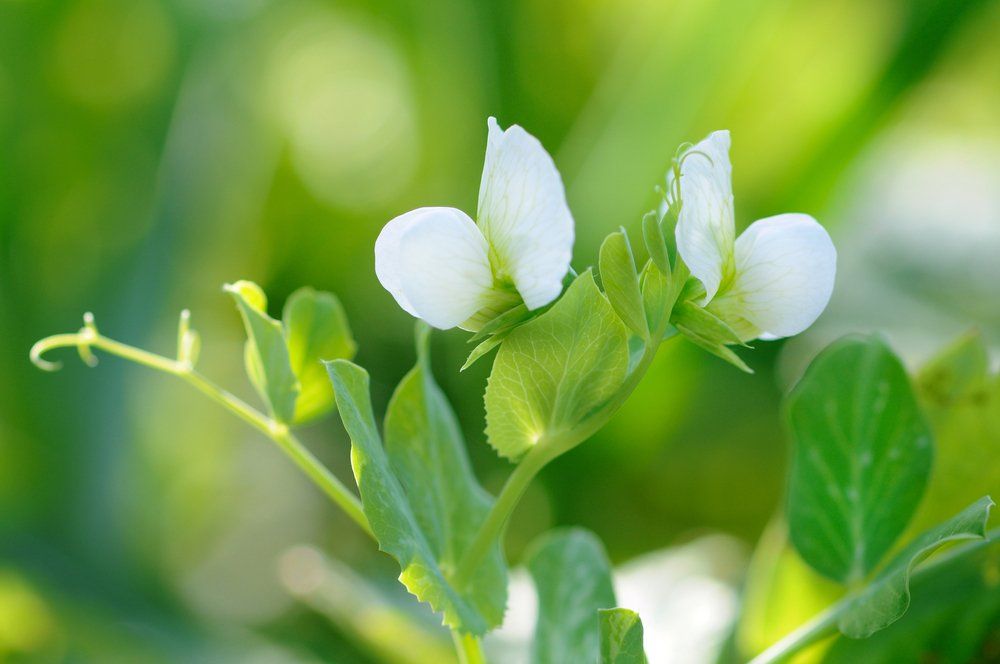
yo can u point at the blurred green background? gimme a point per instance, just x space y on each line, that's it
152 150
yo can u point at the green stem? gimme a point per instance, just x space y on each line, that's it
547 449
88 338
468 648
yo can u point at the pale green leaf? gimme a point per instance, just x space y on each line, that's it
704 324
573 578
484 347
315 329
621 283
621 637
394 520
887 597
552 371
266 356
862 456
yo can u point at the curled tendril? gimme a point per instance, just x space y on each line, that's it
81 340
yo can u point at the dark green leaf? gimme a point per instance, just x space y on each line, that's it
887 597
621 637
573 578
393 519
316 329
551 372
621 283
267 363
861 460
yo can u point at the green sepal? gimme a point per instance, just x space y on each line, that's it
621 637
621 282
656 244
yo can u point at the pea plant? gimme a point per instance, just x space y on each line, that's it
570 349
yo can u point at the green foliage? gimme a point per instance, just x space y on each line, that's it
962 401
284 359
265 354
954 615
419 493
621 282
573 577
428 455
316 329
861 460
552 371
887 597
621 637
659 293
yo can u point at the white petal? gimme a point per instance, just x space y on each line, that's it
524 215
705 226
435 263
785 267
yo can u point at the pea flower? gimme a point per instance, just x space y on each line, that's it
442 267
772 281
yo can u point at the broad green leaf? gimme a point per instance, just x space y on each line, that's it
573 578
621 637
315 329
621 283
954 615
886 598
861 457
267 363
552 371
428 456
393 518
656 244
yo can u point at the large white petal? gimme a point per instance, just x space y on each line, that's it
524 215
785 270
435 263
705 226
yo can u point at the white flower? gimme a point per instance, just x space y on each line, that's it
448 270
772 281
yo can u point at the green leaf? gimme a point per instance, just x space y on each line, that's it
715 348
962 401
621 283
316 329
573 578
265 355
886 598
399 508
428 455
656 244
704 324
505 321
954 615
621 637
861 459
551 372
